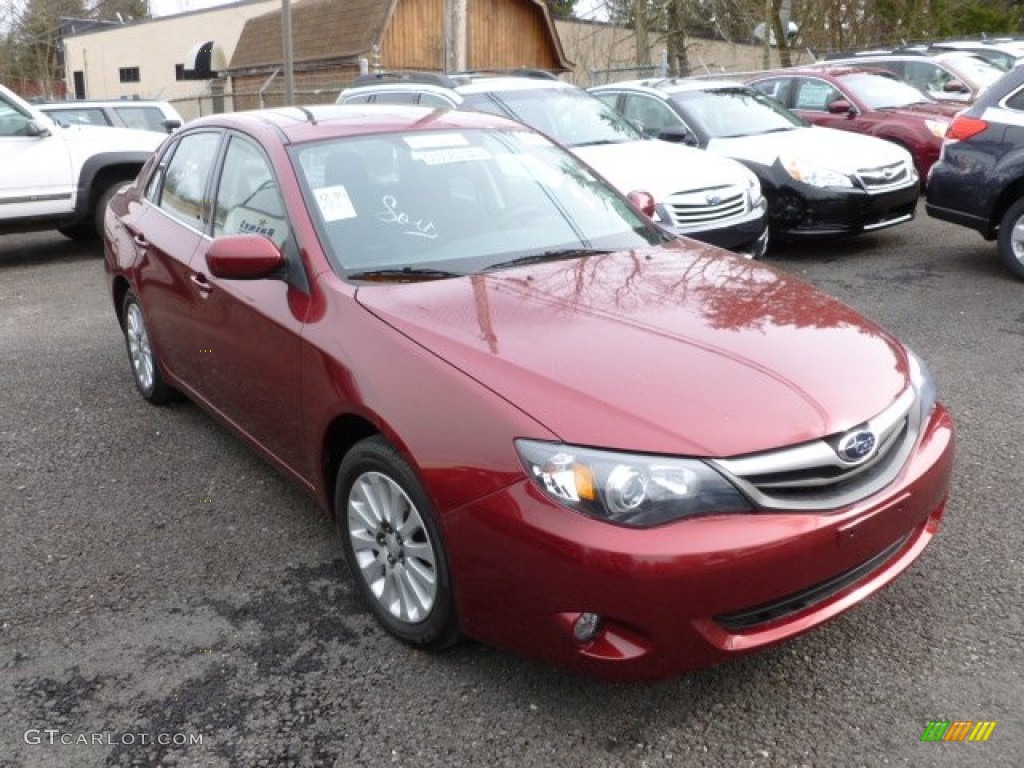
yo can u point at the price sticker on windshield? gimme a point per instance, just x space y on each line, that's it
334 203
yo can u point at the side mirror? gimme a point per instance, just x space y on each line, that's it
644 201
243 257
32 128
170 125
677 134
955 86
841 107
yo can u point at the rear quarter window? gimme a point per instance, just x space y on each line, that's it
1015 100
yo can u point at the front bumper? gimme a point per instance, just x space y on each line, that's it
801 211
748 237
689 594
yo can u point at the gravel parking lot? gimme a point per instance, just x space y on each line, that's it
167 599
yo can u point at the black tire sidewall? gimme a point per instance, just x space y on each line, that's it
102 200
1013 214
375 454
158 392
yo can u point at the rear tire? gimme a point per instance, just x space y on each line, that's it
1011 239
146 370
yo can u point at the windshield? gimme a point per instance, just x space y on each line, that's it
732 112
975 69
881 92
423 205
569 115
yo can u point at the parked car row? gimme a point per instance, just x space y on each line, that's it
712 199
618 439
817 181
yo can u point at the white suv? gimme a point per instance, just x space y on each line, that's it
709 198
156 116
62 178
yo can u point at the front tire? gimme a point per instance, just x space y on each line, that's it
1011 239
146 370
393 546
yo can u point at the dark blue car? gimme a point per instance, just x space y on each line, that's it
978 181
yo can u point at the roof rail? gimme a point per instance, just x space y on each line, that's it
427 78
902 50
540 74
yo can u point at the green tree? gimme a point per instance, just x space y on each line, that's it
562 9
108 10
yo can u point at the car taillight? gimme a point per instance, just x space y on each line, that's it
964 127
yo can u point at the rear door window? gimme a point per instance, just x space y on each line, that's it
186 179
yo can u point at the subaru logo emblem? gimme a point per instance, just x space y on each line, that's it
857 446
713 199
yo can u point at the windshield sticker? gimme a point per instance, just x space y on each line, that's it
455 155
433 140
334 203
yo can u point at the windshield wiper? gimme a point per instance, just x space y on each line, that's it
599 142
403 274
555 255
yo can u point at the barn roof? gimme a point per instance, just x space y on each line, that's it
334 31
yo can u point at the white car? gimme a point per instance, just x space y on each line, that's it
62 178
156 116
818 181
708 198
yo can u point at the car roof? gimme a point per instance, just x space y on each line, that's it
301 124
83 103
667 85
470 81
828 69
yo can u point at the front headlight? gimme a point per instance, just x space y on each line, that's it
754 193
815 175
937 127
629 489
923 383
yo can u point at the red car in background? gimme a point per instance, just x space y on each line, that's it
863 100
537 418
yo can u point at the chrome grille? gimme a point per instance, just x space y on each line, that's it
690 209
813 476
885 176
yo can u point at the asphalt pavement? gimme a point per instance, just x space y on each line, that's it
167 599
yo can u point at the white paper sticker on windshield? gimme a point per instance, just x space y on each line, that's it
432 140
334 202
455 155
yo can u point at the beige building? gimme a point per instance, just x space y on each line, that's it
148 59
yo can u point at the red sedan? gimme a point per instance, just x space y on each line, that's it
537 418
863 100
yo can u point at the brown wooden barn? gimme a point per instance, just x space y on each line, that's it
330 37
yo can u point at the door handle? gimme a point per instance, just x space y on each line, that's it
200 282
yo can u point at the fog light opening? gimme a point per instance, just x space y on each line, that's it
586 627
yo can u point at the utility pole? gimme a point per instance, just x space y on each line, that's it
455 35
289 58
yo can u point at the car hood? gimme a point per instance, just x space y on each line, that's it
112 139
839 150
681 350
935 110
660 167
